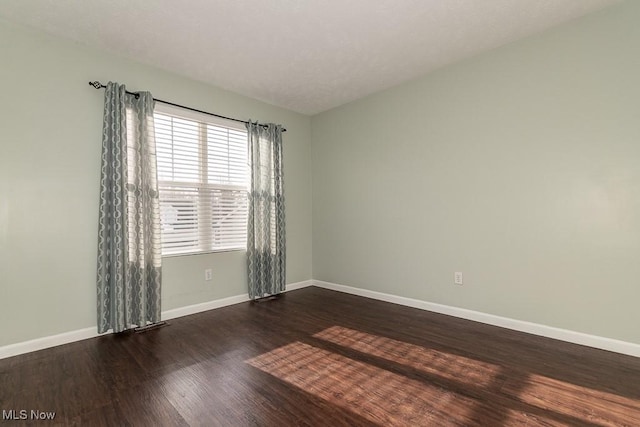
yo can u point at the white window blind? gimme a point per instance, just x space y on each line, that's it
203 181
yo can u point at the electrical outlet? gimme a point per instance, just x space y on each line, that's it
208 274
457 278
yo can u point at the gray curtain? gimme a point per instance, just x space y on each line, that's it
129 252
266 250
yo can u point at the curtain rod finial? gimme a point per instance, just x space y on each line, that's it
96 84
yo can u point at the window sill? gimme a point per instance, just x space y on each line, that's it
214 251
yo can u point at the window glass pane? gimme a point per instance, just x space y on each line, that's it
227 156
178 149
229 218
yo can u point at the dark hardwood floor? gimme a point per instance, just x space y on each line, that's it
320 358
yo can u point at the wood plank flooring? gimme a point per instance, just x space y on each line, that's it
321 358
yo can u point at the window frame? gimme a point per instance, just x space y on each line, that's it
202 185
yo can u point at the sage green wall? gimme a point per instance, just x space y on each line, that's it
519 167
50 136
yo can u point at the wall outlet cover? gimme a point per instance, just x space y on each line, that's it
457 278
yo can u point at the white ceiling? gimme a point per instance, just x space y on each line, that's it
304 55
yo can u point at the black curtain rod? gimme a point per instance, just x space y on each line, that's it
96 84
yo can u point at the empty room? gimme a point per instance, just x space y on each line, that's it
320 213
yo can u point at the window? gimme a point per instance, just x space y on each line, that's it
203 181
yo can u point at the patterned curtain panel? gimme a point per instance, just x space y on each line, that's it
129 254
266 250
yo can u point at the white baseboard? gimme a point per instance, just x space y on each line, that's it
602 343
224 302
46 342
299 285
82 334
204 306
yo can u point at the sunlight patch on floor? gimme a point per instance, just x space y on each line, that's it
390 398
376 394
574 400
447 365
